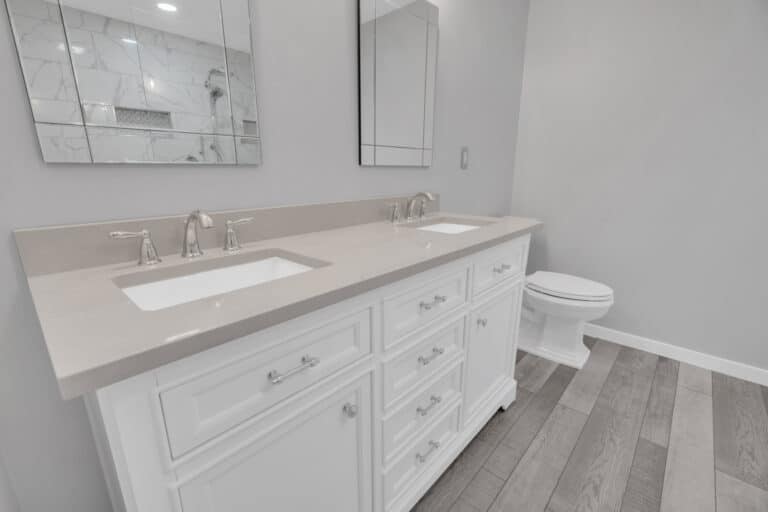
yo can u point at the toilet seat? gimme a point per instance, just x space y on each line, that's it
569 287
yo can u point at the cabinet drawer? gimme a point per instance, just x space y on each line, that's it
416 364
416 306
420 457
499 264
405 422
211 404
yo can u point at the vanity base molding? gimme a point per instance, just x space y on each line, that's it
357 407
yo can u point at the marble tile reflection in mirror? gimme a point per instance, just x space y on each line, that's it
114 81
398 65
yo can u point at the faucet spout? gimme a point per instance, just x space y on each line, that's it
191 247
419 200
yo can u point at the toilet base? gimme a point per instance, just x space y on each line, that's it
557 339
557 357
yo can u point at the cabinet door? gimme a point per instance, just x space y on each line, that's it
319 459
492 336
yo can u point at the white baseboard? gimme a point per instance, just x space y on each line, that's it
684 355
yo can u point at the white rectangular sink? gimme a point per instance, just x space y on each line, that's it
448 225
448 228
167 292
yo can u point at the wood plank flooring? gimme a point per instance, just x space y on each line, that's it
630 432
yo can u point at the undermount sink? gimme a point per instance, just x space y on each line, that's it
163 288
448 226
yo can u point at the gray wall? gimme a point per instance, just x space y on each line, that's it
7 498
643 147
308 100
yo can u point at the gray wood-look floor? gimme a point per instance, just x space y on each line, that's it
630 432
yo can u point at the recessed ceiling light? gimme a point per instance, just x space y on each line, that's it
167 7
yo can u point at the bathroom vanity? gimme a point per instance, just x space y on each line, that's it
346 380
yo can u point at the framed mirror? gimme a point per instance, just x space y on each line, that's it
140 81
398 44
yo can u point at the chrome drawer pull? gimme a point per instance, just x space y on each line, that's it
436 352
307 362
482 322
433 401
433 445
350 410
503 268
439 299
425 306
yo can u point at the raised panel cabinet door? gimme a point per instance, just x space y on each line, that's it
491 339
320 459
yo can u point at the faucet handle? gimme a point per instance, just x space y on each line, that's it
147 252
394 215
124 235
244 220
231 243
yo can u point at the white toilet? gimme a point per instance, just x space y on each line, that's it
555 309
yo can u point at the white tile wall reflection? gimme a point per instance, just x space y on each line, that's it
63 143
81 65
42 49
116 145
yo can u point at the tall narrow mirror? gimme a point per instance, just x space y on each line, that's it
398 41
140 81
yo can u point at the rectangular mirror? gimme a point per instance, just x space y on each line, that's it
398 42
117 81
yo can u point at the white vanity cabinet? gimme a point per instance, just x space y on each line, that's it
357 407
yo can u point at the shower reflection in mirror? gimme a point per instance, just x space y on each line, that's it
114 81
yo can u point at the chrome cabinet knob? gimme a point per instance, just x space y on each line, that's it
350 410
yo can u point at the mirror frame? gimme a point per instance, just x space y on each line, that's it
374 149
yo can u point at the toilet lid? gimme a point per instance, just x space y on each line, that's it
568 287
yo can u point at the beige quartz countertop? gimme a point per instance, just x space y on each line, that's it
96 336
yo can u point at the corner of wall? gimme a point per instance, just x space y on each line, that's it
511 184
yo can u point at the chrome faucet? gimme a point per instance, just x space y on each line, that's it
231 242
147 252
191 247
419 200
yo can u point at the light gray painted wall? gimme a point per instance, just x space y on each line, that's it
308 102
7 498
643 147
